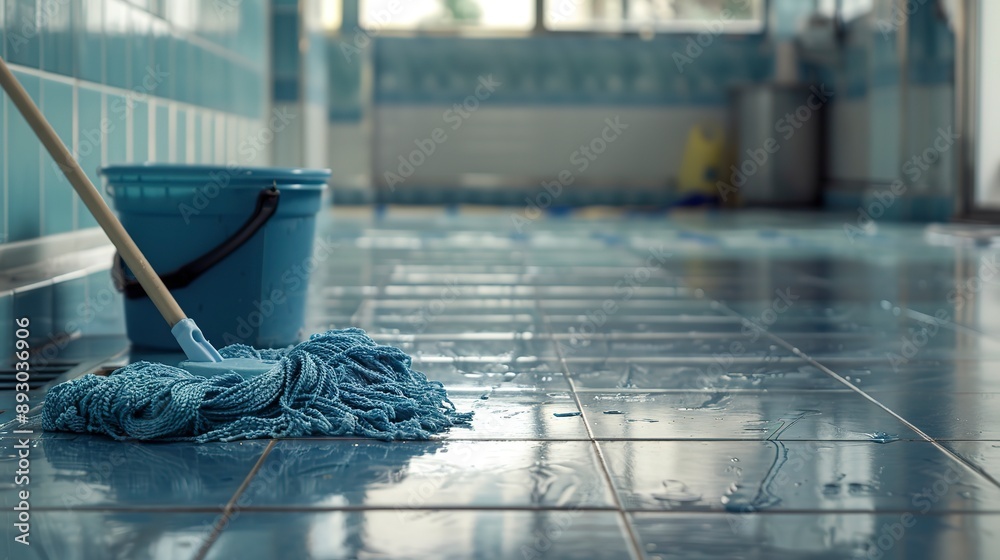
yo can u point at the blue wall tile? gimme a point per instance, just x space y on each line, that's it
88 46
3 33
196 138
140 131
164 49
58 195
209 132
140 78
117 43
117 131
90 140
23 176
248 41
162 121
182 63
57 37
23 37
127 44
285 29
180 137
552 70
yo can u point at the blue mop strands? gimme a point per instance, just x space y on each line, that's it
339 383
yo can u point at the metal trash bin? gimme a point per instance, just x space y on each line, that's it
775 155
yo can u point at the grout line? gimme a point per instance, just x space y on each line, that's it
227 512
588 509
602 460
874 401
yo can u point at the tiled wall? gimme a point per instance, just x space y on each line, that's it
185 81
143 80
887 113
554 95
300 83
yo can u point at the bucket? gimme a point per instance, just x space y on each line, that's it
232 244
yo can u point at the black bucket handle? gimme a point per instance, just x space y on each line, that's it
267 205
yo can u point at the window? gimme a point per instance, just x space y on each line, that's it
563 15
508 15
849 9
654 15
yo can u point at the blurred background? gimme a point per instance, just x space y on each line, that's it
585 218
542 106
358 85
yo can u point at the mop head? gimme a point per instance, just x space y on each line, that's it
339 383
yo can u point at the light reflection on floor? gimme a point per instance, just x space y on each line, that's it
753 385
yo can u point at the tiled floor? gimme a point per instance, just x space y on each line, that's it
743 386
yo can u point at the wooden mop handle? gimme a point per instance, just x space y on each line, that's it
144 273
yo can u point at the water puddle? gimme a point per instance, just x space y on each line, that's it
717 401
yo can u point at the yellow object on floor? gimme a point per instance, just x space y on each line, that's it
701 165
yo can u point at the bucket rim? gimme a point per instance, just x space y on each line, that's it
206 173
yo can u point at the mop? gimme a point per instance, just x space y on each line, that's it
338 383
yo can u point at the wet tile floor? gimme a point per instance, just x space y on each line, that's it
743 386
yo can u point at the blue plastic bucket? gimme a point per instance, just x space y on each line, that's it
233 245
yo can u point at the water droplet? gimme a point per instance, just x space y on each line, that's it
857 488
613 412
676 491
831 489
882 437
565 414
735 459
